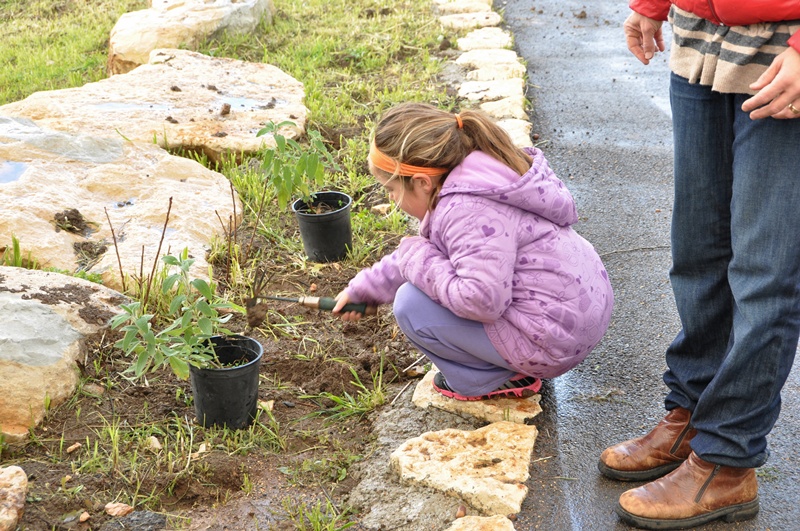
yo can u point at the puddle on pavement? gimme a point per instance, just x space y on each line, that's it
11 171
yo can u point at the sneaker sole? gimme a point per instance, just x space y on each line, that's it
510 393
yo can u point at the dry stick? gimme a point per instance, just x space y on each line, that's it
400 393
116 248
158 251
141 271
255 222
233 200
227 237
230 251
416 362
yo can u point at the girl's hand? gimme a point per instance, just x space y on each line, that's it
342 299
643 36
779 89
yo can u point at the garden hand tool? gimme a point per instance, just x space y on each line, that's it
327 303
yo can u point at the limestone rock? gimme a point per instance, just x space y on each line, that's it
486 468
480 58
180 99
497 72
46 318
462 21
491 90
518 410
180 24
518 130
482 523
461 6
13 489
485 38
438 3
511 107
49 173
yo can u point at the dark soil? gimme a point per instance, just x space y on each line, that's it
306 353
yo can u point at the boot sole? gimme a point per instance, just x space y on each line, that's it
732 513
637 475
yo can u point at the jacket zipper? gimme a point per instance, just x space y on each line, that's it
714 13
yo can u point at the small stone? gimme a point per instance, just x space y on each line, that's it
288 404
461 512
118 509
84 516
73 447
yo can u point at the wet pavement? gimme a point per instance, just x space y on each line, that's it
603 121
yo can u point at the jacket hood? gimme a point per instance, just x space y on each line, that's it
538 191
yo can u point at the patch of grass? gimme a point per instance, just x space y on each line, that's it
317 517
53 44
347 405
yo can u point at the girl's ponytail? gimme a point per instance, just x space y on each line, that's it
420 134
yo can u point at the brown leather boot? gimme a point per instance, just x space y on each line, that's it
695 493
653 455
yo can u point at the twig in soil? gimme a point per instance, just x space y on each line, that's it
400 393
227 231
158 252
116 249
333 504
256 222
233 200
413 364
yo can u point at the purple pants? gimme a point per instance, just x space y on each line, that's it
458 347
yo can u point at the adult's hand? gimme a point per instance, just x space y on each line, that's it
342 299
644 36
778 89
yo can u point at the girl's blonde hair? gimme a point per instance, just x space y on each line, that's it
420 134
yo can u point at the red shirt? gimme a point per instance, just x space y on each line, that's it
727 12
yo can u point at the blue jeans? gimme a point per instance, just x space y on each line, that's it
735 272
459 348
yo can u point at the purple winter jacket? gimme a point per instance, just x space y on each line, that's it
498 248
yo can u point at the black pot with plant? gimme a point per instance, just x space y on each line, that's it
324 222
190 338
297 171
228 395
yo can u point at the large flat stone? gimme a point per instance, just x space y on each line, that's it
44 173
519 410
486 468
180 24
46 318
180 99
482 523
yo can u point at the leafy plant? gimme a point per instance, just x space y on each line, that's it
292 169
194 314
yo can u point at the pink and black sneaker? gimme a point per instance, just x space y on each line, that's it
520 386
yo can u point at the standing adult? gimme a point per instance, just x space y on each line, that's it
735 97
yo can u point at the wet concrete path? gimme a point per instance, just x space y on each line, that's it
603 121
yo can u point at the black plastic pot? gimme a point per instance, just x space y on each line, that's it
326 235
228 396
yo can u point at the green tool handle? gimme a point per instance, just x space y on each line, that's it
327 303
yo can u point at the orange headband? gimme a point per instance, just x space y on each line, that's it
388 164
459 122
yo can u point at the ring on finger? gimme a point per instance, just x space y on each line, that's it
794 109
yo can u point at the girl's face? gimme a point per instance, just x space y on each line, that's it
413 200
